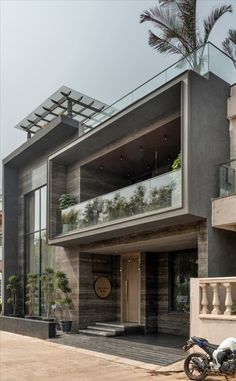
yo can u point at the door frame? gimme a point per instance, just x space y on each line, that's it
122 257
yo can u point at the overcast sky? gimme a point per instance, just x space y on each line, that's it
96 47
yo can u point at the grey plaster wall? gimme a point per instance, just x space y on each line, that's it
210 147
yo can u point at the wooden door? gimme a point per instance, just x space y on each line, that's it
131 288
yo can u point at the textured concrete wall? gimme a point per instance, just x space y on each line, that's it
91 307
210 147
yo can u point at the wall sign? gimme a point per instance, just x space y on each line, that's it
102 287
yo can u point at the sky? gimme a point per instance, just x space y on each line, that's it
96 47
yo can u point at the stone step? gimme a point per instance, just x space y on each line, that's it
94 332
121 327
106 329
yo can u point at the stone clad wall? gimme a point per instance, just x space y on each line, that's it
91 307
168 322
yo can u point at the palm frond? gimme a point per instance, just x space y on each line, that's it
229 45
162 45
166 19
215 15
187 15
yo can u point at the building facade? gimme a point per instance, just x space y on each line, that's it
140 176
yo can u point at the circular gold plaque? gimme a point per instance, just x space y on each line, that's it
103 287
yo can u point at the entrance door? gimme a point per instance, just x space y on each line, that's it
131 287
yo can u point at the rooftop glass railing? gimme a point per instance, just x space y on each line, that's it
228 178
207 58
158 194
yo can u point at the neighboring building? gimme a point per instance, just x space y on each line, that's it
138 226
0 246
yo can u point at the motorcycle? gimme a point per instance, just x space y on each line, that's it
217 359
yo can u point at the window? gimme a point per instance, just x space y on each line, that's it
183 266
39 255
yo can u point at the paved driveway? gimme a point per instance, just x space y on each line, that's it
28 359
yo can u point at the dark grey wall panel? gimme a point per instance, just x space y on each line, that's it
10 230
91 307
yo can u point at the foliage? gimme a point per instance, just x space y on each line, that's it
32 288
92 211
63 298
116 207
137 203
70 217
177 163
178 30
14 287
66 200
229 45
48 288
161 197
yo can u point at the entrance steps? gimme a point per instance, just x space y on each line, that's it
112 329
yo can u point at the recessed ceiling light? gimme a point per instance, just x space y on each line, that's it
121 157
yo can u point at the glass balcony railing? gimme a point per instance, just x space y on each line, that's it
207 58
228 178
158 194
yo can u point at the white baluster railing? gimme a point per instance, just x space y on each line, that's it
217 297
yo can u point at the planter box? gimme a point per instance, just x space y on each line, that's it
28 327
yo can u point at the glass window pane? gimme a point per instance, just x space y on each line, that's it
183 267
32 212
43 207
32 253
48 254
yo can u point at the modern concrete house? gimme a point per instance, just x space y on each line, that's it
141 175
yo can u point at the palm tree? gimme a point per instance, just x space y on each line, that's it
178 29
229 45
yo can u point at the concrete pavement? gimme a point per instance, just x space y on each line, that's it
28 359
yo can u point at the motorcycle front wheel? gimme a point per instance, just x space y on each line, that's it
191 368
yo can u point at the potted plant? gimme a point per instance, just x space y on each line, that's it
66 200
176 163
32 288
14 287
64 300
69 221
48 289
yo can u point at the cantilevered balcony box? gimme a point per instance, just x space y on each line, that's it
192 110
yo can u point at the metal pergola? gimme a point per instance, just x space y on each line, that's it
66 101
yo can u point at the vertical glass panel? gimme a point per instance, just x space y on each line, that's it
33 253
43 207
32 212
183 266
33 307
47 253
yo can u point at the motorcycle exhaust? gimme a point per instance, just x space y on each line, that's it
199 363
